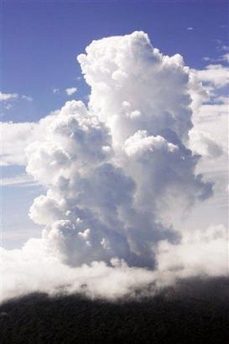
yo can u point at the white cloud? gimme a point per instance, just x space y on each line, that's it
36 268
56 90
215 74
15 137
207 58
71 90
99 188
226 57
209 134
112 172
225 48
28 98
18 180
199 252
210 118
8 96
209 138
202 143
125 81
223 58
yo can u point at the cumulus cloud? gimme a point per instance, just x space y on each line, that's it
133 99
199 252
215 74
203 144
113 170
208 137
36 268
95 280
71 90
213 118
15 137
8 96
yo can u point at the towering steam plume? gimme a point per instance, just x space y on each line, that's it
116 168
110 169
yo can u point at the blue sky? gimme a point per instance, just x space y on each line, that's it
40 42
42 39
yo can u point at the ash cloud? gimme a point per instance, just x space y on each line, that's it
113 169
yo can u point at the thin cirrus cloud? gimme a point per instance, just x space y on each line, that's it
112 170
6 97
56 90
19 180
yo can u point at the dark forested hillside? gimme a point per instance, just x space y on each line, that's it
196 311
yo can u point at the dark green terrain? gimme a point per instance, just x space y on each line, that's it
195 311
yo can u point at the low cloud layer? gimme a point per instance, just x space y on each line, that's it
115 172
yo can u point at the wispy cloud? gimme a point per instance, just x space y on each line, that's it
71 90
223 58
8 96
18 180
27 98
56 90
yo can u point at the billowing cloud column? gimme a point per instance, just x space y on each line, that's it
113 169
